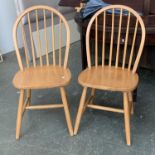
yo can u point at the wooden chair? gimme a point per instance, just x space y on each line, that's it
119 72
51 72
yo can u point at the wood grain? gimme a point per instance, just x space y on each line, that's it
109 78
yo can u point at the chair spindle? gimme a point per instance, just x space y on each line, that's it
133 45
126 41
118 40
31 39
25 45
112 38
53 38
96 42
38 39
45 35
103 43
60 42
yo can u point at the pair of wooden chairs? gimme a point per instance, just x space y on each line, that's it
51 71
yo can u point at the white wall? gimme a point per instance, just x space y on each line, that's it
7 18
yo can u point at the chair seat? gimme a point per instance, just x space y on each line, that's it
42 77
109 78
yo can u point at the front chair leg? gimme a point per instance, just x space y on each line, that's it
66 109
127 118
19 113
80 110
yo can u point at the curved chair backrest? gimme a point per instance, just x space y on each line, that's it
118 26
32 15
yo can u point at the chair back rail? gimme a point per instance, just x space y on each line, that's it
56 57
116 25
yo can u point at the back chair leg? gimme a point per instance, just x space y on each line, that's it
134 95
130 96
92 94
80 110
29 96
127 118
19 113
66 109
93 91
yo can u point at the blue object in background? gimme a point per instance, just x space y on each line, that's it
94 5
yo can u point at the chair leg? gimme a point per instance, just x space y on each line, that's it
134 95
130 96
93 91
127 118
19 114
66 109
29 96
92 94
80 110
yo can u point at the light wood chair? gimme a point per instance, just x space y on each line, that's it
119 73
51 72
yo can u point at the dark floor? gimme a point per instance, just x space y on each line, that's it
101 133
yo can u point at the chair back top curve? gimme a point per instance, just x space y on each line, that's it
113 27
56 57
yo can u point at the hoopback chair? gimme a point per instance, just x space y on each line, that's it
115 69
49 71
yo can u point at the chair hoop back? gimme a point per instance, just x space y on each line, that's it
119 26
30 19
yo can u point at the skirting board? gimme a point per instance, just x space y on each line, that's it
75 36
1 57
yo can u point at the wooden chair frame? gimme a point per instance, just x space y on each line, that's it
55 68
86 76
